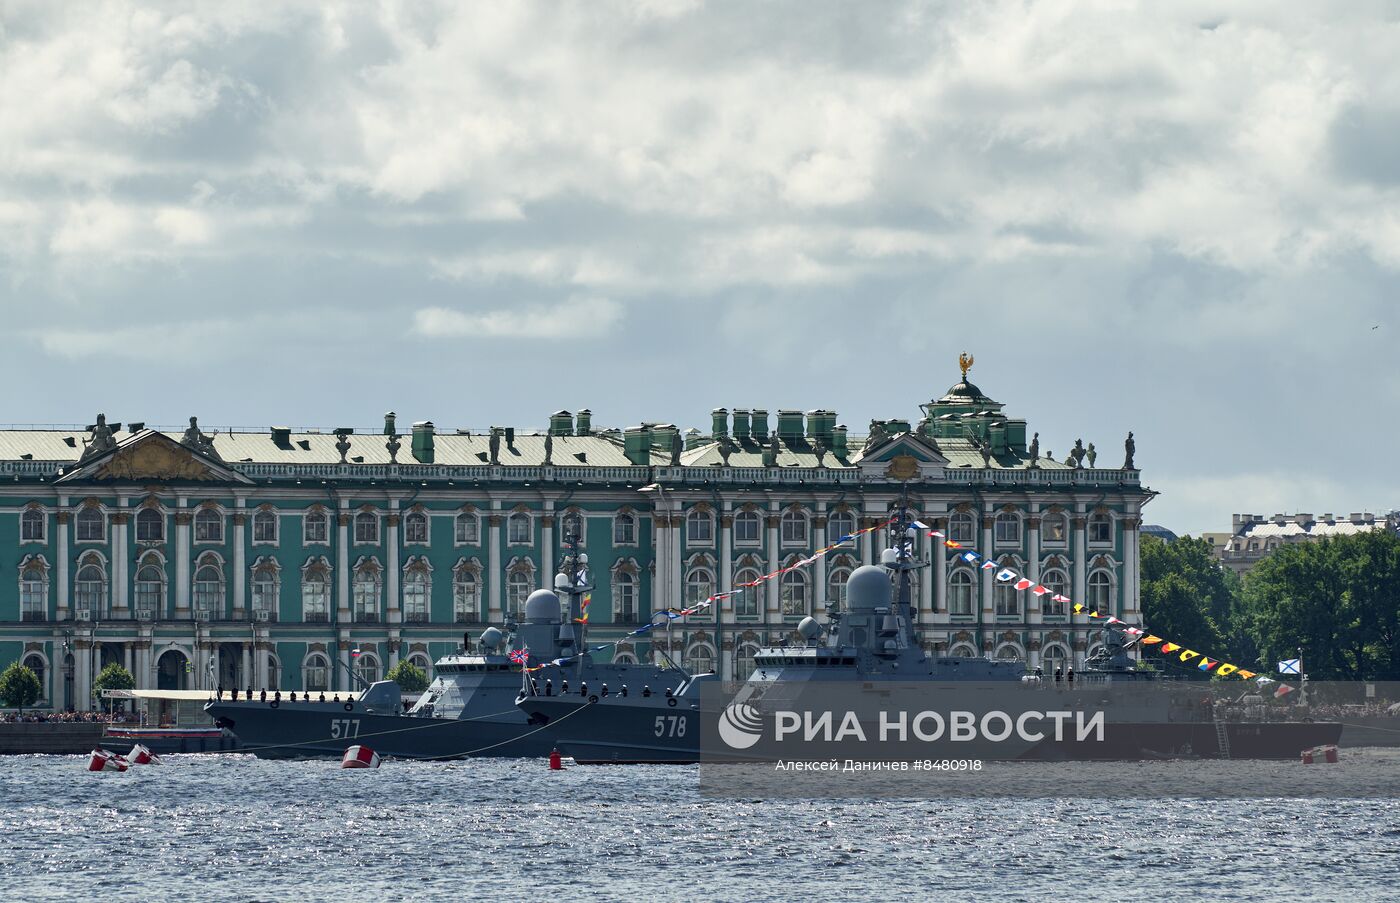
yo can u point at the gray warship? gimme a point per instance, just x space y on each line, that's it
873 648
469 710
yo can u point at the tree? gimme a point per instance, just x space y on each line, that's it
408 676
1337 599
19 686
113 677
1188 598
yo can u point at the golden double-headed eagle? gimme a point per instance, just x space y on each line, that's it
965 362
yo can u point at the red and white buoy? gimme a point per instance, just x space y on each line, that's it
106 760
140 755
1327 753
360 757
556 761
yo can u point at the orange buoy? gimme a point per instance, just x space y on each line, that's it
556 761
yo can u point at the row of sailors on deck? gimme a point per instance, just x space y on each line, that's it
582 689
277 695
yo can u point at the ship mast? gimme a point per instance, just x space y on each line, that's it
575 582
899 558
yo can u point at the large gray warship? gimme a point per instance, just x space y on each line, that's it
469 710
873 648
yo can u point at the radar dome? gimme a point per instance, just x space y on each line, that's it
491 638
889 556
868 588
809 627
542 607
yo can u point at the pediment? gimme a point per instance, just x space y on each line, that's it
152 457
904 456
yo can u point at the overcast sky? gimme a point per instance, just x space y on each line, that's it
1178 218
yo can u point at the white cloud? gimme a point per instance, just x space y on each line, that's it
576 318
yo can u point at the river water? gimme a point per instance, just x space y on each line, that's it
237 828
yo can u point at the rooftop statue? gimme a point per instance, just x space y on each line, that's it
548 449
1035 450
202 442
1129 446
726 448
820 449
1093 455
677 446
494 444
101 440
1077 456
393 445
877 435
342 443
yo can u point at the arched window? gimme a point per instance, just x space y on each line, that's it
836 588
746 597
208 525
415 527
89 525
367 667
747 527
1100 592
34 591
150 525
518 527
1008 529
31 525
265 526
699 585
962 527
90 586
422 663
1056 582
960 587
625 529
209 586
415 594
315 527
315 673
366 592
274 672
624 658
743 661
962 650
467 529
35 663
572 525
1008 653
315 592
624 587
367 528
1053 658
842 523
466 595
1053 529
700 658
794 528
794 594
699 527
266 580
518 589
1006 599
1101 530
150 587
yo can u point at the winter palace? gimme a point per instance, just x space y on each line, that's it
287 559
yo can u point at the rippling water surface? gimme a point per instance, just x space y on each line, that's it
234 827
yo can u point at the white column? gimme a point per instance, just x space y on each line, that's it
494 576
63 518
927 577
547 544
240 561
726 561
127 662
250 676
395 644
940 573
342 680
55 687
989 575
867 540
342 564
82 673
819 590
1131 566
1033 602
395 574
120 532
182 561
1082 619
677 572
774 586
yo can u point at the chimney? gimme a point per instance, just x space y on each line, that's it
838 441
390 427
758 424
719 423
561 423
585 423
510 437
282 436
636 444
741 425
423 441
820 425
790 426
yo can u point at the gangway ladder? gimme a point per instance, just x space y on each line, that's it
1222 739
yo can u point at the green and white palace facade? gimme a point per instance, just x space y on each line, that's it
285 559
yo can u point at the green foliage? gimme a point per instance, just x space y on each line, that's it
1189 598
19 686
113 677
408 676
1338 599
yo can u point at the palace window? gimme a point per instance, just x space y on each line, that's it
842 523
366 593
962 527
316 674
415 527
624 529
1053 657
1055 582
366 528
31 525
150 586
209 586
518 589
794 524
316 594
836 588
1053 529
367 667
466 596
265 526
34 592
701 659
743 661
960 587
794 594
624 597
89 525
90 586
1008 529
1101 529
518 529
150 525
572 524
466 529
746 527
315 527
1006 599
265 587
746 599
35 663
1100 592
699 528
699 586
415 596
208 525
